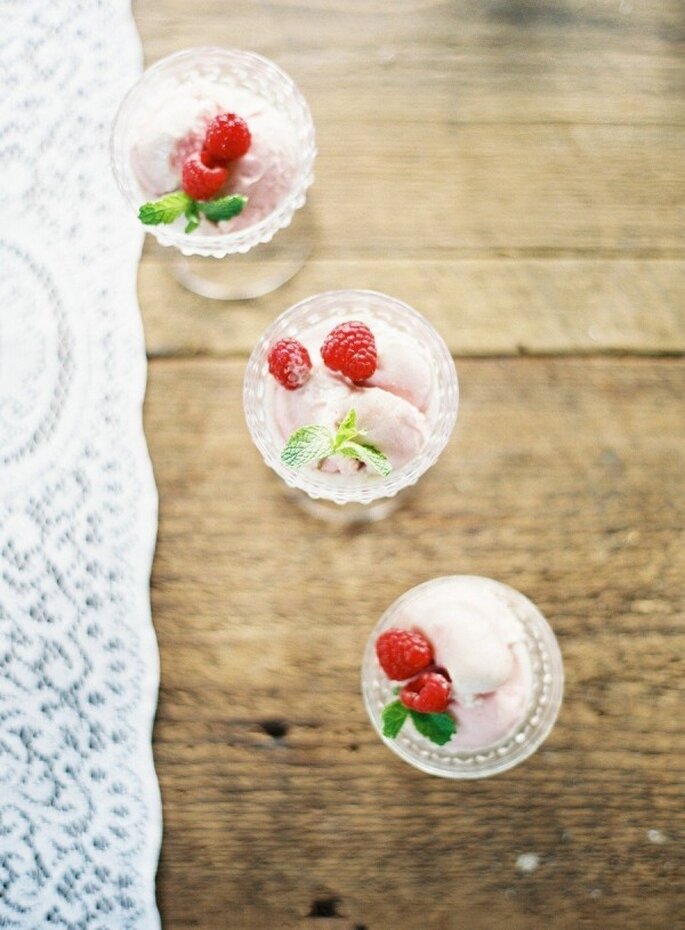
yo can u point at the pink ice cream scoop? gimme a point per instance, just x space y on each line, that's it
391 423
152 162
490 716
323 401
479 642
264 174
392 405
402 370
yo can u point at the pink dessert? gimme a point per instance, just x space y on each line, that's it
473 639
174 128
394 402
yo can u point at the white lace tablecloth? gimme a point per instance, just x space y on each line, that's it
80 816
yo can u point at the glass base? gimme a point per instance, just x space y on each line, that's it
352 514
252 274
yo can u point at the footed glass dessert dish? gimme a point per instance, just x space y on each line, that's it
244 251
462 677
350 396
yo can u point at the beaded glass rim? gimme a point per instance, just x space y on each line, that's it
310 312
273 79
534 725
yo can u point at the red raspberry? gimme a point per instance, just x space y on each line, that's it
430 693
403 653
227 137
209 161
199 181
351 349
289 363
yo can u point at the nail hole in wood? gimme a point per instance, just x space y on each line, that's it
274 728
324 907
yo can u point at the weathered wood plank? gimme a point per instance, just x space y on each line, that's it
455 173
564 479
498 188
481 307
499 60
413 205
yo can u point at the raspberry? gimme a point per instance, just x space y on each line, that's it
227 137
403 653
209 161
199 181
351 349
428 694
289 363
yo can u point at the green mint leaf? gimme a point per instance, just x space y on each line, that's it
165 210
438 728
393 718
223 208
347 429
307 444
193 216
367 454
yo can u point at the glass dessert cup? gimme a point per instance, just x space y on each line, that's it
544 677
364 496
262 248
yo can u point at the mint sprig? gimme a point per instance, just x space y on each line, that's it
193 217
348 428
438 728
367 454
165 210
315 443
171 206
307 444
393 718
223 208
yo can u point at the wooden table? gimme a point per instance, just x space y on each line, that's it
514 169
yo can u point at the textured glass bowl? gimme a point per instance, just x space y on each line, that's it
331 305
527 735
230 67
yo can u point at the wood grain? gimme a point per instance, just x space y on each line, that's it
427 61
480 307
564 479
514 169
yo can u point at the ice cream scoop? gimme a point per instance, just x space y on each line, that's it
392 417
176 129
477 639
467 646
391 423
402 370
487 718
471 633
151 159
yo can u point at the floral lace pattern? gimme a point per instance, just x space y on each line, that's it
80 815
